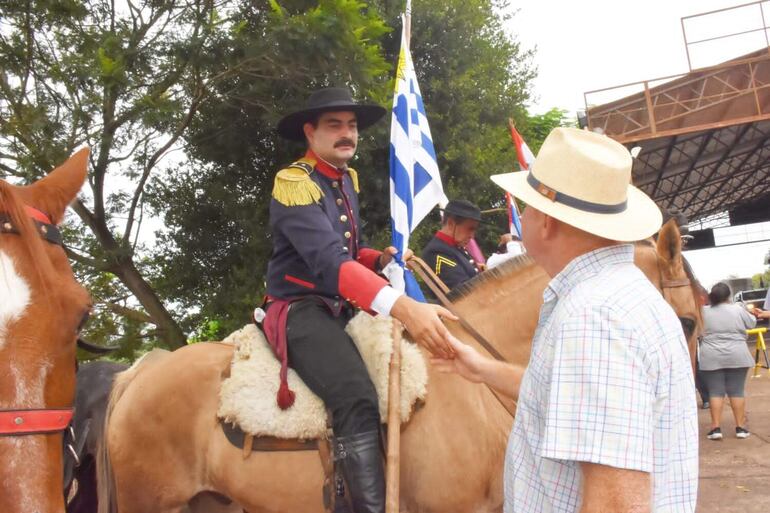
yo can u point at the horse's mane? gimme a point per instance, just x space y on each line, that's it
501 272
12 206
517 263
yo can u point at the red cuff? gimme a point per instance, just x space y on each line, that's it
359 285
368 257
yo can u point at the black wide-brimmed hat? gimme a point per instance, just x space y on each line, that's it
330 99
462 208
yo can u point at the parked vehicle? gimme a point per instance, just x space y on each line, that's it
754 297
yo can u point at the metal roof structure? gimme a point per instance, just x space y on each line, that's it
704 135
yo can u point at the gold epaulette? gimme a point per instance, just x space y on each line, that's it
354 178
293 186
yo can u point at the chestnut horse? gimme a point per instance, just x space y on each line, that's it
164 444
41 309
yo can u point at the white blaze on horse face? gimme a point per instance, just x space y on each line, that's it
14 295
14 298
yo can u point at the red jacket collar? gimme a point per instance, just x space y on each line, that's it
324 167
446 238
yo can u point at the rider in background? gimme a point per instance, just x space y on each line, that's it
446 253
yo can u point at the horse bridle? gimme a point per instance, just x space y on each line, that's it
665 289
34 421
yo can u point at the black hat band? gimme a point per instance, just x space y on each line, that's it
571 201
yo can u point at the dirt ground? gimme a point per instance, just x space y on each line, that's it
735 474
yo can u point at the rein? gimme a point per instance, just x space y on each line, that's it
440 289
33 421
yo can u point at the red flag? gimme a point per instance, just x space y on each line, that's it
525 157
524 154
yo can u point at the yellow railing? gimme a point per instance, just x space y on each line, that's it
760 349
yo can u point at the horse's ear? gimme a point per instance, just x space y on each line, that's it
670 242
53 193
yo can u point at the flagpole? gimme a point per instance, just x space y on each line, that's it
393 466
393 456
408 23
508 195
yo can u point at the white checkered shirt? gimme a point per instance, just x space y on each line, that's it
608 382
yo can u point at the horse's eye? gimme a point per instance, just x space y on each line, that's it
83 322
688 325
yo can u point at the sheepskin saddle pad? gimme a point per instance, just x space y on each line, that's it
248 397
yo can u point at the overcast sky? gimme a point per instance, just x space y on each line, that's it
596 44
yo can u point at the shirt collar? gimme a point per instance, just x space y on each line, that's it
586 265
325 168
446 238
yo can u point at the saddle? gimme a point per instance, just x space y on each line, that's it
252 420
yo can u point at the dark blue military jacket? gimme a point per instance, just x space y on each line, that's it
314 218
452 264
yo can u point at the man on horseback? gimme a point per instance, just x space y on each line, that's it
320 272
606 417
445 253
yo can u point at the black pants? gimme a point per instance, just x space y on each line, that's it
327 360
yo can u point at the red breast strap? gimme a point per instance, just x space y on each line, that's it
27 422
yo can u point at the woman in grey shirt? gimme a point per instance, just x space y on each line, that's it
725 358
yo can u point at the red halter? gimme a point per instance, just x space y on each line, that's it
38 215
32 421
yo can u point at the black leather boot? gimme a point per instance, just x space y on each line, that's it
360 458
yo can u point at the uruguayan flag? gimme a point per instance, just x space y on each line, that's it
415 183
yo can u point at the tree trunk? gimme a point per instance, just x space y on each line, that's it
121 264
168 329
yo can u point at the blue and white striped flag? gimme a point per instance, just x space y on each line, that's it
415 183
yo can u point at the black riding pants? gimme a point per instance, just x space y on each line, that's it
327 360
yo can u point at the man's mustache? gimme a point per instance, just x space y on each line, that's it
345 142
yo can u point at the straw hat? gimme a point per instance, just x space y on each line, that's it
584 179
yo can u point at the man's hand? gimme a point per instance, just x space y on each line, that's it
477 368
467 362
423 322
388 254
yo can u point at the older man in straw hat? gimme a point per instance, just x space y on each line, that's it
606 417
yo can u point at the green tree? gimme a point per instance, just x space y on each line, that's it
473 78
129 81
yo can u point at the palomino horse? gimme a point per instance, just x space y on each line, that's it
165 446
41 310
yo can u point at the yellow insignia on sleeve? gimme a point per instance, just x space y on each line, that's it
354 178
293 186
440 259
